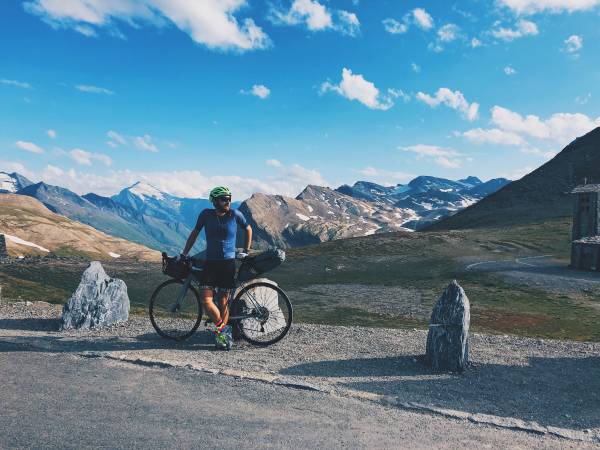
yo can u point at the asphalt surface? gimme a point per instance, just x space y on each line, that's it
60 400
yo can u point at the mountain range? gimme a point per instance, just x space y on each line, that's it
143 214
540 195
140 213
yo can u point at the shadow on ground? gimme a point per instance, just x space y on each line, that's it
561 392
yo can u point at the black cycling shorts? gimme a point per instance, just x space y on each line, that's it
218 274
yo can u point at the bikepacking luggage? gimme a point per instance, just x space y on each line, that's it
261 263
175 268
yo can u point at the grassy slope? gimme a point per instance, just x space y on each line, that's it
425 263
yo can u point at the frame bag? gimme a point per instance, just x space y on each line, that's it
261 263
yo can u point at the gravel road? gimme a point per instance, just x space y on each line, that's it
58 400
544 382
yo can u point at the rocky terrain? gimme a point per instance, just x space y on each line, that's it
317 215
31 228
540 195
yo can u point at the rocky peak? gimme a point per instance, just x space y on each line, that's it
12 182
143 189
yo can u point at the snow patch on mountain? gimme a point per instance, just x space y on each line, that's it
146 190
20 241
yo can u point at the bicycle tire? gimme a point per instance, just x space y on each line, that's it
237 309
151 311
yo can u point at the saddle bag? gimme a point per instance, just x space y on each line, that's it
174 268
261 263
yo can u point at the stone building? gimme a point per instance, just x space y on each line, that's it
585 238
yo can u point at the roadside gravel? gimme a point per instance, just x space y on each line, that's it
552 383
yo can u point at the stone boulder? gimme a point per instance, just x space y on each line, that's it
98 301
3 250
448 338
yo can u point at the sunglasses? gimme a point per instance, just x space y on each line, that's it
224 199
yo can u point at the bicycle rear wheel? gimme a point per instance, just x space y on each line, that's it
171 322
267 313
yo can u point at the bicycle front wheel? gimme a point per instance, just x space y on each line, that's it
172 320
265 313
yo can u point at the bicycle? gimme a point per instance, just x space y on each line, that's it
260 311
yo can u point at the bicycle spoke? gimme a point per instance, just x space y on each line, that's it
175 311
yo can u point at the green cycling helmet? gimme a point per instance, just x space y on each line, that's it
219 191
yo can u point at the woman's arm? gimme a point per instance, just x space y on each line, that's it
248 239
190 241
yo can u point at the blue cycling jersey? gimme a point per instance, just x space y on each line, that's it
220 232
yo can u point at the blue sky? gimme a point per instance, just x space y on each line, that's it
272 95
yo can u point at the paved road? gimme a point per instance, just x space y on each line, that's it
59 400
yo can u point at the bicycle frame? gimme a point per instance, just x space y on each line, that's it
190 279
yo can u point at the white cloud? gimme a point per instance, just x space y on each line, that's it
554 6
287 180
314 14
85 30
418 17
115 138
392 26
448 32
385 177
493 136
15 83
442 156
398 93
29 147
12 166
316 17
273 163
422 18
537 152
452 99
523 28
511 128
475 43
560 128
517 173
448 163
583 99
508 70
348 23
208 22
52 172
51 134
93 89
85 158
145 143
258 90
415 68
429 150
355 87
573 44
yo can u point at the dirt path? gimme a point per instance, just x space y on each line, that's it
550 387
543 272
